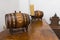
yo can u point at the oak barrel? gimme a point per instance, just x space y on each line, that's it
38 14
17 20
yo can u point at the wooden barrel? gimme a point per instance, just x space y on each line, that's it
17 20
38 14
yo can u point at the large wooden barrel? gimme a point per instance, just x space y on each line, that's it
17 20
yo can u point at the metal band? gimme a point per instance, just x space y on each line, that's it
6 20
28 19
23 19
15 20
11 21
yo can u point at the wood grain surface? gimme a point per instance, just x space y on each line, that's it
37 30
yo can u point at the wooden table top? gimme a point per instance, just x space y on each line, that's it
37 30
40 30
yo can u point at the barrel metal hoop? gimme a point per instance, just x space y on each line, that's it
11 21
7 20
23 18
15 20
28 19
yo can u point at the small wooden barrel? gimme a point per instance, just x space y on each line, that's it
38 14
17 20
